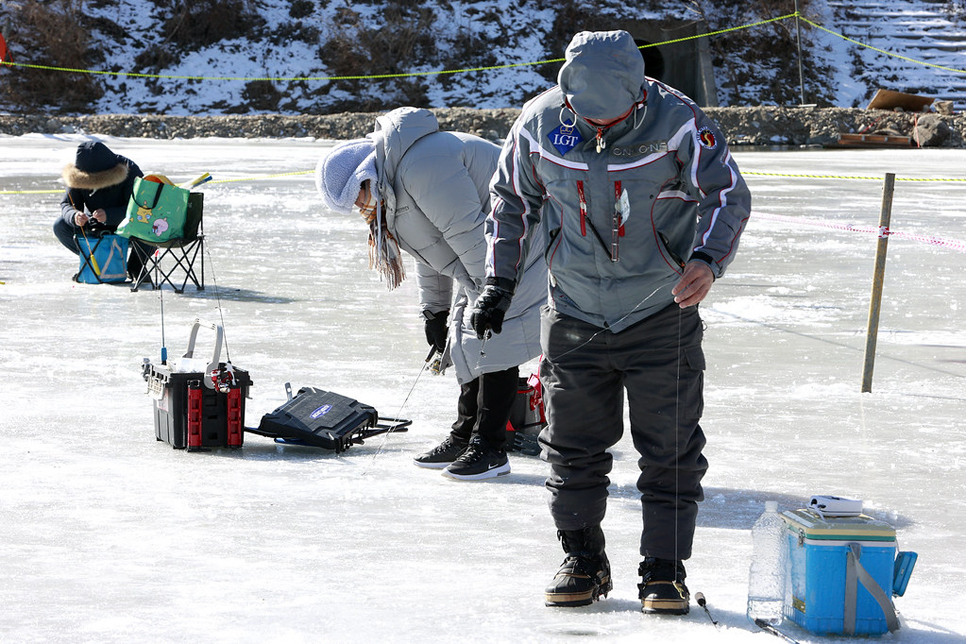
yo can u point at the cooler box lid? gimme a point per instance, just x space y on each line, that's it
852 528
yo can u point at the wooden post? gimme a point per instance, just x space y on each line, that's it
885 216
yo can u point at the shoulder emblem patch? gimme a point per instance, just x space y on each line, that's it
565 138
707 139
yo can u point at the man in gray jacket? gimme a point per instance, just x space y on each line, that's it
642 206
427 192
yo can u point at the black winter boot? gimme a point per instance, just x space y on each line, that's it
662 588
584 574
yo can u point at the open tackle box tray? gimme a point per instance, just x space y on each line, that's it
198 404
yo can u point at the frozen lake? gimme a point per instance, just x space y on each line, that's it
110 536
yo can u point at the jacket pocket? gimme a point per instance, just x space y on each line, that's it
694 357
666 247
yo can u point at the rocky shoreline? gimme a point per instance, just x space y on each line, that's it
761 126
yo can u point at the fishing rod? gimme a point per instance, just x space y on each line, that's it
164 346
204 178
94 266
768 628
703 603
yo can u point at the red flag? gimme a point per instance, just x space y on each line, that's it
3 49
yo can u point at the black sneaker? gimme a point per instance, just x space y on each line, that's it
585 573
478 462
441 455
662 589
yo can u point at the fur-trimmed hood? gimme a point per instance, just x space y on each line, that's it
95 167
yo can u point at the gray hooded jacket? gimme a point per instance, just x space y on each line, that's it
652 191
435 187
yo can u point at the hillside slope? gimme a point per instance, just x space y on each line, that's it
211 57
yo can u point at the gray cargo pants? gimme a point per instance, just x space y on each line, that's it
660 363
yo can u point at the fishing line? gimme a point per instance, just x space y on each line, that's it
221 313
677 448
385 438
621 319
677 396
158 285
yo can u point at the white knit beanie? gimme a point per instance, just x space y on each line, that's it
341 172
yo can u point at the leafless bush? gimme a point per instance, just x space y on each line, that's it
956 8
50 34
198 23
769 53
190 25
771 76
397 44
301 9
260 95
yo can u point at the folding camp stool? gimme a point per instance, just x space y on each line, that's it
168 261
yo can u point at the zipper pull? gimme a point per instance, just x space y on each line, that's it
621 206
583 208
601 144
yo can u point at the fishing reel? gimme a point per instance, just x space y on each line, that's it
223 378
435 362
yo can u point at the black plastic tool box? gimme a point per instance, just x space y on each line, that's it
193 410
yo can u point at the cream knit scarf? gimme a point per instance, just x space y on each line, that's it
384 253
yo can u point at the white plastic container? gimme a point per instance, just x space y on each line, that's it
767 577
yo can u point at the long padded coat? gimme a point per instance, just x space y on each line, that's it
436 189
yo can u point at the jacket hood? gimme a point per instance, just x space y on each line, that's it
394 133
603 75
95 166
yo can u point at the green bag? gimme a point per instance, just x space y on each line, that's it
156 212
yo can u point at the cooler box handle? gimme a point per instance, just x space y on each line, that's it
855 574
216 357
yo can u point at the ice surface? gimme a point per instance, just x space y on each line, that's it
110 536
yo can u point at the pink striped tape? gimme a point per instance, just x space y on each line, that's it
954 244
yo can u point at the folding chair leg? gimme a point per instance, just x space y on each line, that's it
184 258
147 263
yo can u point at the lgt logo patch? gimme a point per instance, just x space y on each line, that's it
565 138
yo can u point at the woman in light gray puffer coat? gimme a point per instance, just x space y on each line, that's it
427 192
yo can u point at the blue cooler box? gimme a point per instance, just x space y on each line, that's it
818 551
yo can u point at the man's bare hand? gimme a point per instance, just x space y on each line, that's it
694 285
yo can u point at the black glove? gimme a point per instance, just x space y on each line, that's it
435 328
489 309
